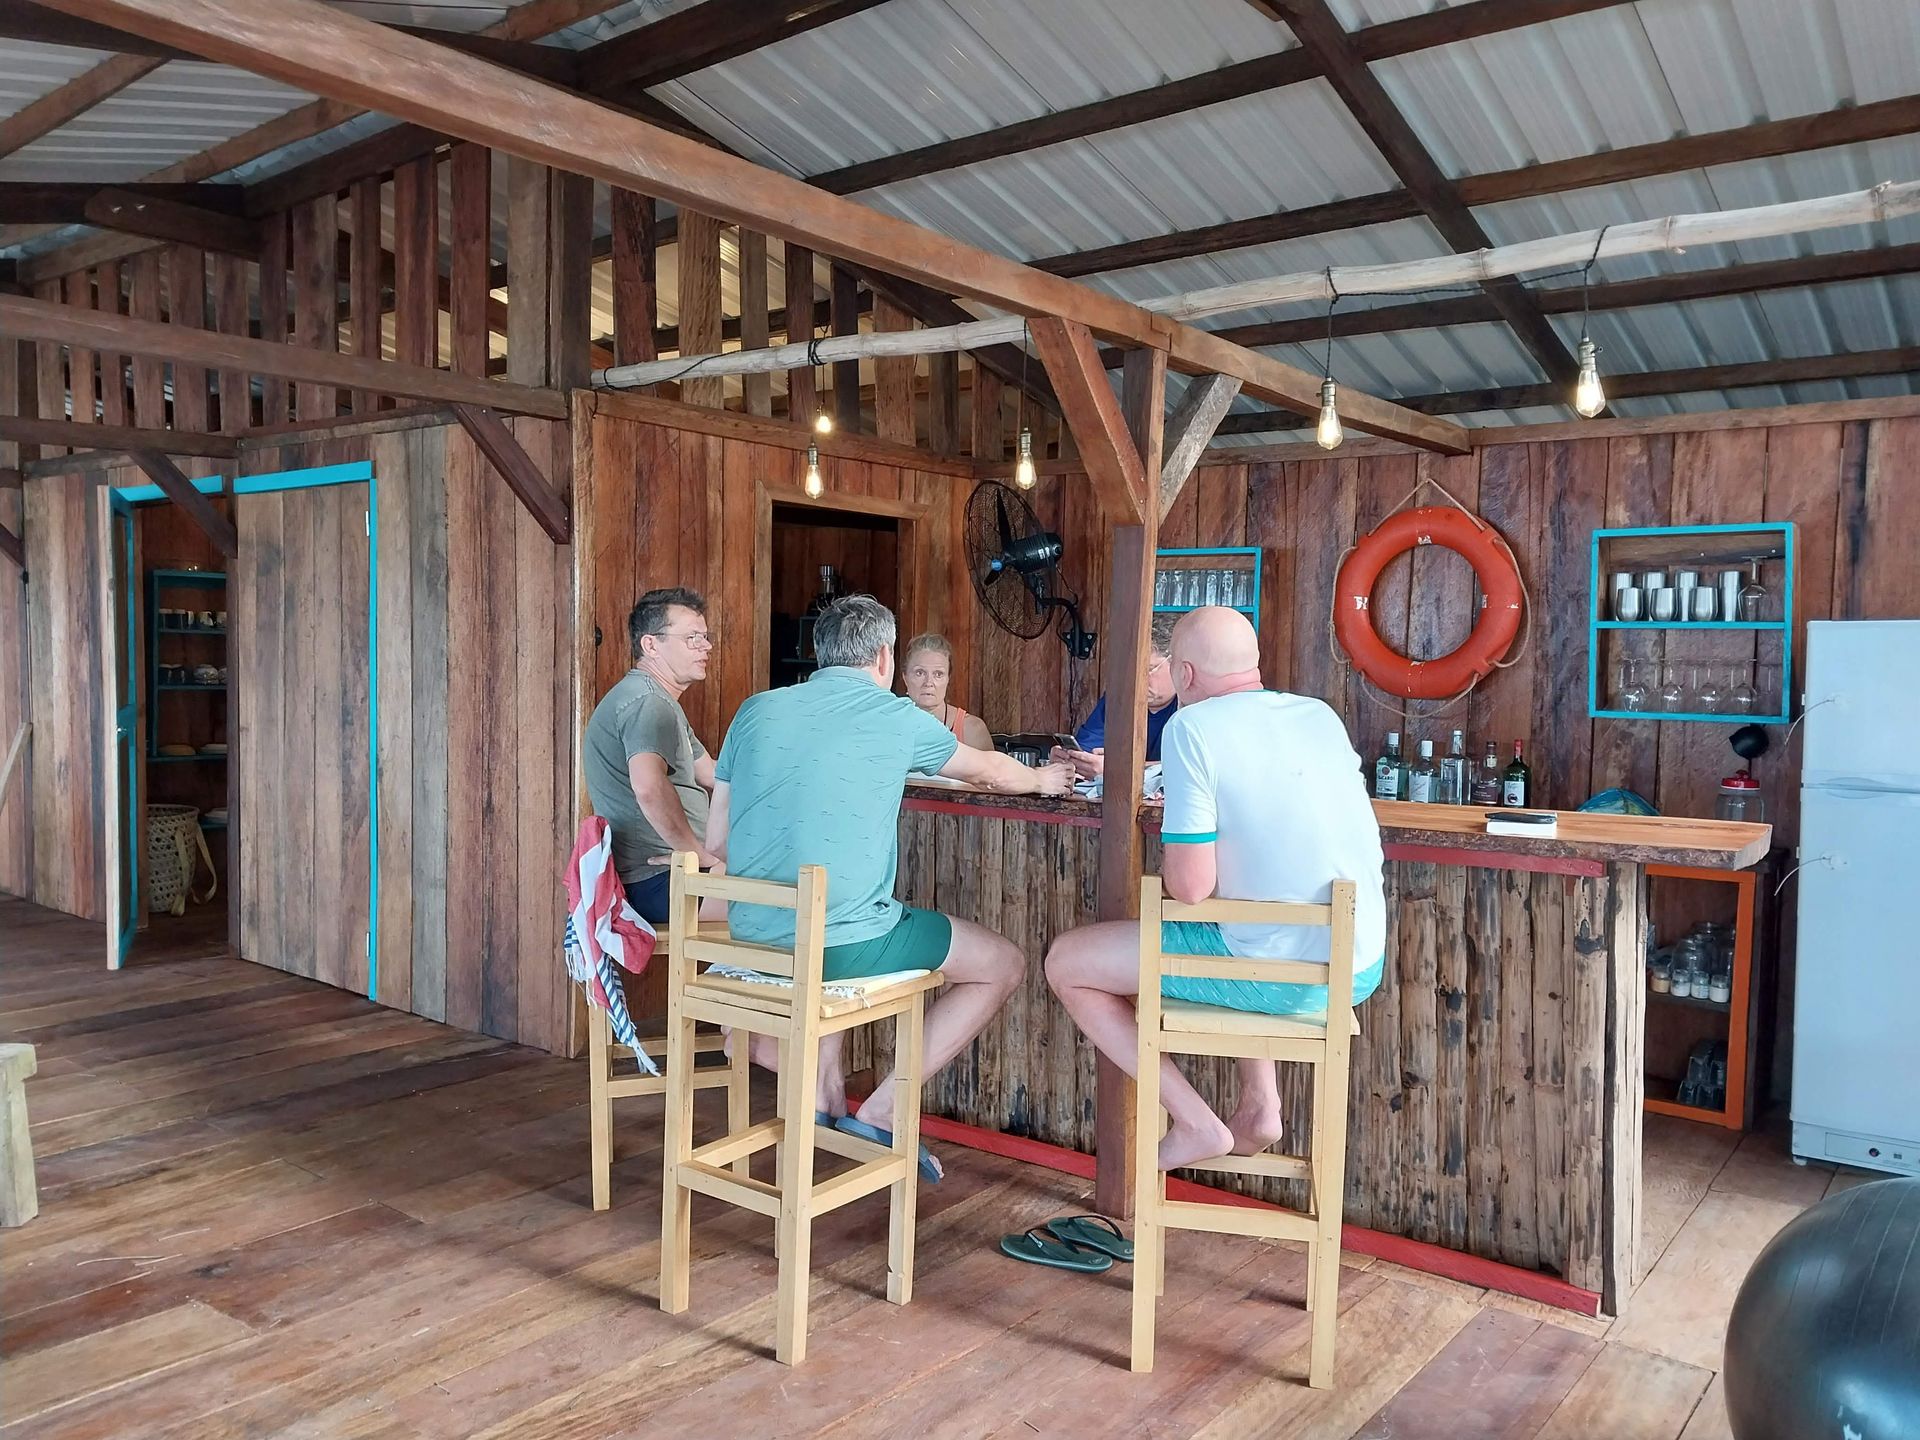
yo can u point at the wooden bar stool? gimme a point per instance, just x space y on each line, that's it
603 1089
797 1014
1177 1027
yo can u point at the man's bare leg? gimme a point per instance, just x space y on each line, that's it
1256 1117
982 969
1095 971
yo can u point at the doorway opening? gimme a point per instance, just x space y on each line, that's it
817 554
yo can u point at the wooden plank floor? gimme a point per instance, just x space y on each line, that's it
269 1208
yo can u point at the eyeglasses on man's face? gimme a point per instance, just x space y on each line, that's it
692 639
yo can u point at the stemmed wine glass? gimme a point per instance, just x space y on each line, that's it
1753 596
1632 690
1707 694
1740 692
1672 695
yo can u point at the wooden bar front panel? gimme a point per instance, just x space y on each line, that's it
1496 1062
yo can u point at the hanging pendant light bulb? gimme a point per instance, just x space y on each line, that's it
1328 434
813 484
1024 474
823 423
1589 398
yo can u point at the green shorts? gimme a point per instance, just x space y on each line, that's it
1262 997
918 941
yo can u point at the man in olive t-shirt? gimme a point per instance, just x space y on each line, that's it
647 773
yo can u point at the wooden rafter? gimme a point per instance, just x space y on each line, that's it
700 36
30 319
71 100
1321 34
15 550
1194 422
197 507
1212 87
1876 121
157 218
64 202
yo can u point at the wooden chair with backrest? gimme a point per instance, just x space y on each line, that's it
797 1015
1176 1027
603 1088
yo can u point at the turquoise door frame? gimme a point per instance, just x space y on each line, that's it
357 473
125 723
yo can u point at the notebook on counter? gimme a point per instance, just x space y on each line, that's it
1530 824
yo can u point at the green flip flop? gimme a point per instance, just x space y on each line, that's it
1040 1246
1095 1232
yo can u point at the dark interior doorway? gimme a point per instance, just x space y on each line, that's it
862 554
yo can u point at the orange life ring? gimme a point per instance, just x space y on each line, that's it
1500 603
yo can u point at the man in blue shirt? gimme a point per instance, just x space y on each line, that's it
1088 757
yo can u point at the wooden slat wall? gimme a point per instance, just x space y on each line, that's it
16 676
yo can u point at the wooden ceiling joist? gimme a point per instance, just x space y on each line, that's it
700 36
64 202
304 43
156 218
1194 422
71 100
197 507
108 333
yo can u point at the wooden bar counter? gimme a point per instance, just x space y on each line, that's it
1497 1078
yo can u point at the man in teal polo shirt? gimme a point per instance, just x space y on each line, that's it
813 774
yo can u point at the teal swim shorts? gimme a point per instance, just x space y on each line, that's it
1262 997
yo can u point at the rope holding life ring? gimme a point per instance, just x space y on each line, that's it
1501 603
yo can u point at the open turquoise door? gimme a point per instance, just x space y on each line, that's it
118 629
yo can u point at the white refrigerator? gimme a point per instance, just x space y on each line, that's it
1856 1021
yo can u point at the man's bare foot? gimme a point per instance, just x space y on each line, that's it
1255 1129
1185 1144
882 1119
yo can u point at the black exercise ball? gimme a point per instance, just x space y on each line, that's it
1824 1339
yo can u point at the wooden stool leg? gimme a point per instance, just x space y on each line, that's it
600 1104
1329 1194
1149 1188
800 1070
676 1201
909 1045
19 1193
739 1099
1160 1277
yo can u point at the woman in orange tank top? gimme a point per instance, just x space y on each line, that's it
925 672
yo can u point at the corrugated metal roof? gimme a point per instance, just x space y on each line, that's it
915 72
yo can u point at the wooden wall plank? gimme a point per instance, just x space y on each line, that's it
636 304
986 419
498 761
845 296
316 298
109 297
363 279
50 371
803 395
149 374
325 603
471 223
230 317
274 251
353 735
299 947
1639 493
467 483
16 678
699 262
393 467
430 485
1879 518
83 384
893 378
943 403
756 390
416 263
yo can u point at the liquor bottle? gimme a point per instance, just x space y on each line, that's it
1390 771
1423 780
1486 785
1517 783
1453 771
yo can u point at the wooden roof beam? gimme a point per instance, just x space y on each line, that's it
26 430
171 222
71 100
701 36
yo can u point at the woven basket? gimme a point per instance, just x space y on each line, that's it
173 834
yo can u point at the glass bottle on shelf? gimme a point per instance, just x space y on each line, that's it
1516 782
1161 586
1423 778
1453 771
1486 783
1390 771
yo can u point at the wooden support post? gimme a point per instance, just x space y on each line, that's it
199 509
756 390
636 299
230 317
416 263
892 378
273 317
19 1198
82 386
363 280
1195 419
517 468
471 231
149 376
113 367
59 434
316 299
700 302
1129 617
803 392
987 422
943 402
549 215
846 373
